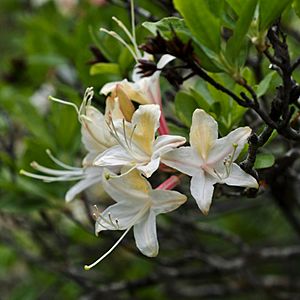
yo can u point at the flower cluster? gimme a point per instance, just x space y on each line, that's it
125 146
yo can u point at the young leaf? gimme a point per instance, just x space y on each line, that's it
105 68
164 25
264 160
185 106
264 85
269 11
296 6
201 21
208 58
237 40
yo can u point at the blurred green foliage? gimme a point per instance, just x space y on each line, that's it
44 241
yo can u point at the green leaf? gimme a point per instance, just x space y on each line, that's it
185 106
269 11
264 160
204 25
164 25
209 59
235 5
105 68
296 6
237 40
264 85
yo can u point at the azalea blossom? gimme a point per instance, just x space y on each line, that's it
96 138
137 206
210 160
137 146
143 90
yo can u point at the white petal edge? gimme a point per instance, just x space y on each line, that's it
183 159
150 168
130 187
80 186
146 236
165 143
224 146
166 201
239 177
114 156
202 188
118 216
203 133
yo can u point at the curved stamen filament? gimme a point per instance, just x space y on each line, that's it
88 267
49 171
133 25
131 37
64 102
67 177
87 100
131 135
60 163
134 220
118 37
128 144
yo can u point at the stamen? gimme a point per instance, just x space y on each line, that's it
118 37
96 212
117 223
133 23
110 219
64 102
219 176
125 135
60 163
49 171
87 100
88 267
51 179
229 161
131 135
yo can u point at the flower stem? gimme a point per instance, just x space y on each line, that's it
163 128
170 183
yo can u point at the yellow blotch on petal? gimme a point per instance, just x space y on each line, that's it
204 133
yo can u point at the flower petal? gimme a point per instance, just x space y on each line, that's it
165 143
93 176
145 120
145 235
183 159
95 133
204 132
150 168
109 87
166 201
164 60
114 156
81 186
202 188
225 146
129 187
239 177
119 105
118 216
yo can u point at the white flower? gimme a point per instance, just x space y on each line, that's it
137 206
96 138
137 146
144 90
209 160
